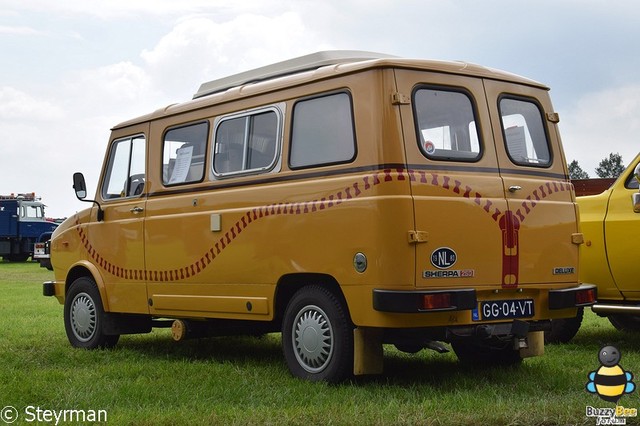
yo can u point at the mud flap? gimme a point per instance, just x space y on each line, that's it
367 351
535 345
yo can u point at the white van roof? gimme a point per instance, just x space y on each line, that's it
290 66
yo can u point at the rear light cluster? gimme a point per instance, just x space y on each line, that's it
585 297
436 301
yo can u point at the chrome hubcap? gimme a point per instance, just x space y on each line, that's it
312 339
83 317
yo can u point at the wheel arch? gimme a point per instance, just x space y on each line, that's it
86 269
290 283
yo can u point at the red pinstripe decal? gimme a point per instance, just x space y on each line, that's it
508 221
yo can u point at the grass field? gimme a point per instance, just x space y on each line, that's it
151 380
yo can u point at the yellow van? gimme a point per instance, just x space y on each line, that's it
345 199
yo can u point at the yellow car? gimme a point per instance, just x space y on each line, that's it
610 223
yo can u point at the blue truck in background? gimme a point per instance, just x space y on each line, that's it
22 225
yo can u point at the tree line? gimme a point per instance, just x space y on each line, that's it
610 167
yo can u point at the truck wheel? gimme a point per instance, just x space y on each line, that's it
84 316
18 257
479 354
629 323
317 336
564 329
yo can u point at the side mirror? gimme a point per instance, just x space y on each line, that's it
81 192
637 172
79 186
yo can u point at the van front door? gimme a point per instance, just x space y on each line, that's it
540 226
458 193
116 244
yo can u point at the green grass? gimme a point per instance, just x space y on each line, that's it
151 380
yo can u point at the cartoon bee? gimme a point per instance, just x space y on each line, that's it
610 381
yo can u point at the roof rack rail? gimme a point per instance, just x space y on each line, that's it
288 67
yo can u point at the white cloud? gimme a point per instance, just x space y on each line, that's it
200 49
117 9
18 105
19 31
600 123
110 87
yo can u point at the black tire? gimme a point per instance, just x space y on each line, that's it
629 323
486 355
409 348
17 257
317 336
84 316
565 329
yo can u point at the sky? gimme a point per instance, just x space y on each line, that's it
72 69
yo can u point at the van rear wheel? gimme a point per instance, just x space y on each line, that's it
317 336
84 316
564 329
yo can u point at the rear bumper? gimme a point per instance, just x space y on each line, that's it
466 299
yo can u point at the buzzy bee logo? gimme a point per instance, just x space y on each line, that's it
610 382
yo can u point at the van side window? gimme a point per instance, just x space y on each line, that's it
524 133
322 132
247 143
446 124
125 175
184 153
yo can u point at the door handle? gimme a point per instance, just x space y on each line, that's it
514 188
136 210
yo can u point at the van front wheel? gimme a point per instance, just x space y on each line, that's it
84 316
317 336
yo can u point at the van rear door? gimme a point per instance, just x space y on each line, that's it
458 193
540 226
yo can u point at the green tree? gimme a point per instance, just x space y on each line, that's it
576 172
611 167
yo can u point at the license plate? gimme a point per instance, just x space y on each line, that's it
505 309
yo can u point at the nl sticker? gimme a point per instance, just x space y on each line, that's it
444 258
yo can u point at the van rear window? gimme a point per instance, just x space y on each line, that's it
524 133
446 124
